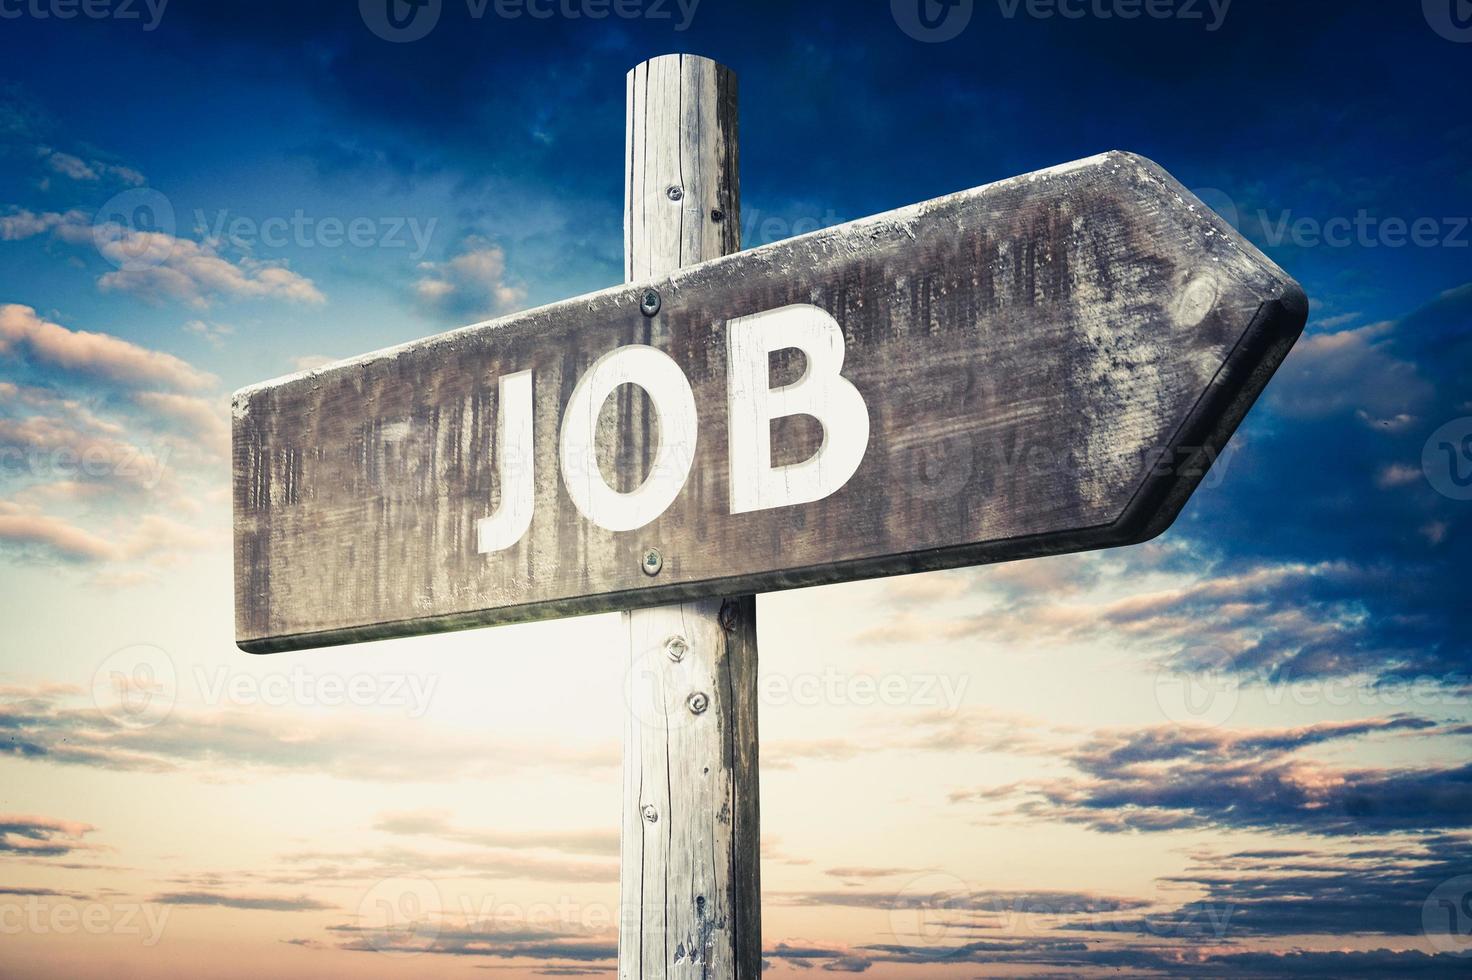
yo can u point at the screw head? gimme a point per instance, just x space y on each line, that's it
698 702
651 815
650 302
652 562
675 193
676 647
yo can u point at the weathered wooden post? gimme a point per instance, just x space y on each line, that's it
1076 345
690 866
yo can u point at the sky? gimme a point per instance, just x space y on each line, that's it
1240 749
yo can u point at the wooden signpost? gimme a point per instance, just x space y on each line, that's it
1037 366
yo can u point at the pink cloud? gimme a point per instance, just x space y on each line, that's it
97 354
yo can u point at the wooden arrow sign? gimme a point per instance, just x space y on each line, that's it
1043 365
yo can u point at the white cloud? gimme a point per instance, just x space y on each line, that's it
99 355
159 266
472 284
215 333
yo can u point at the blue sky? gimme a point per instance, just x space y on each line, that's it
1066 812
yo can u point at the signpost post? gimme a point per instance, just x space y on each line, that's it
1042 365
690 862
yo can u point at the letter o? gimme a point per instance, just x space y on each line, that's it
674 405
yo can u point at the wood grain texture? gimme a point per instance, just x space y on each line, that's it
1028 352
690 887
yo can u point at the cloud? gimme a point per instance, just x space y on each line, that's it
25 529
1173 778
604 843
488 861
159 266
472 285
1375 888
204 420
193 273
91 170
214 333
97 355
41 836
43 725
495 938
1324 376
22 224
252 903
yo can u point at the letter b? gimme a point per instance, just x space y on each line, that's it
821 393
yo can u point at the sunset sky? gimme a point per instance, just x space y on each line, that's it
1239 750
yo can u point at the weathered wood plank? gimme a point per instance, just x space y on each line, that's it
1026 352
690 887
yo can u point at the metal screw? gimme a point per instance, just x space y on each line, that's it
697 703
676 647
653 562
651 815
717 215
650 303
675 193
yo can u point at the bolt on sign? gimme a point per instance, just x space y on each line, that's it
1042 365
